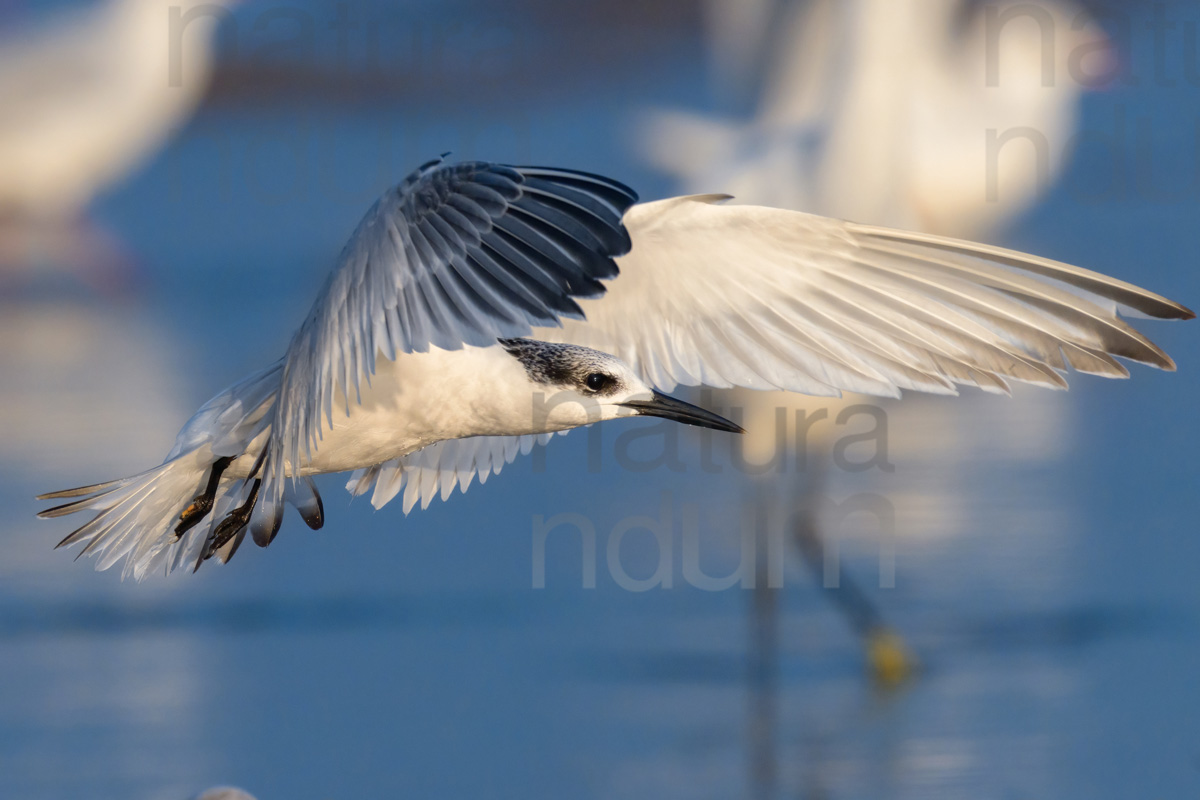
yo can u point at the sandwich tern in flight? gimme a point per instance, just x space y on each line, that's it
482 286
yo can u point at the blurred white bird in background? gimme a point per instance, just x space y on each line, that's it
928 115
89 95
880 110
85 98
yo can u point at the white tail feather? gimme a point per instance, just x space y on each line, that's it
137 517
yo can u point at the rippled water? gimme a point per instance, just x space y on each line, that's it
1045 546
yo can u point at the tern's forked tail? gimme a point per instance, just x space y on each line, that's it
181 513
192 507
136 517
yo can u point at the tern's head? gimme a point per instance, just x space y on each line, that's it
577 385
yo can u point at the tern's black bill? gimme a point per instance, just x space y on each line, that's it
670 408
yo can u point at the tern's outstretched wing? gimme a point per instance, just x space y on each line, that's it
456 254
439 468
765 298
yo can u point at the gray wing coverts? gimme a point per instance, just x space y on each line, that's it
456 254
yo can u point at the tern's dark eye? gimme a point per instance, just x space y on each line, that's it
598 382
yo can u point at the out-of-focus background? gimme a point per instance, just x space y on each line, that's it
176 180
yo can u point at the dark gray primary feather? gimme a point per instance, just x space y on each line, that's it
456 254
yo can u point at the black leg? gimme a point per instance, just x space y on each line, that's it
232 525
202 503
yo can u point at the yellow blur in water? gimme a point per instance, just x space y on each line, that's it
889 661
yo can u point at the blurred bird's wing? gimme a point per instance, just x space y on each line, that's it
772 299
439 468
456 254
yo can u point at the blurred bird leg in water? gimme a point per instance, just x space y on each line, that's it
889 661
769 439
764 657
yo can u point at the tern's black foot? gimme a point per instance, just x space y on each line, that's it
191 516
233 524
202 503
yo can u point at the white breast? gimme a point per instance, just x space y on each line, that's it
414 401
